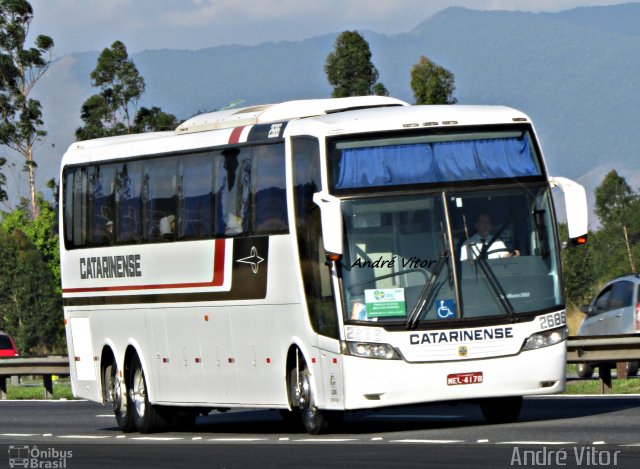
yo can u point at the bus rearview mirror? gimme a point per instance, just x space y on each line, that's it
575 199
331 217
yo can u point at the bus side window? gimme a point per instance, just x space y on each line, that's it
101 204
159 199
268 196
232 188
75 207
128 202
195 197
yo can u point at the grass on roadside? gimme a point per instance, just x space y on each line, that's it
60 391
592 386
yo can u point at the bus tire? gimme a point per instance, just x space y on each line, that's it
146 417
302 399
501 409
116 393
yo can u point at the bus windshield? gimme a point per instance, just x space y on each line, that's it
450 256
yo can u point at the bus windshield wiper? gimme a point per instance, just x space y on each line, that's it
495 285
427 291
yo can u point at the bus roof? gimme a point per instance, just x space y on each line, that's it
267 113
336 116
420 116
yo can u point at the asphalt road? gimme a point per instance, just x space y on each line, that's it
558 431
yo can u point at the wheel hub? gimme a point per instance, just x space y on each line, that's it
302 392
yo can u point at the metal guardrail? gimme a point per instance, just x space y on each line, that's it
602 351
26 366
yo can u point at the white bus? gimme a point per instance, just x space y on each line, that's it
307 257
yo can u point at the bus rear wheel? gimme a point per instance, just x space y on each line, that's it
303 401
113 392
501 409
146 417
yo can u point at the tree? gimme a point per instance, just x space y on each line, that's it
154 119
614 198
21 127
432 84
113 111
349 68
30 307
617 207
42 232
3 182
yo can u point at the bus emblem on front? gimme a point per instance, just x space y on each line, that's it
254 259
462 351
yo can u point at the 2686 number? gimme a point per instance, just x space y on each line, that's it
553 320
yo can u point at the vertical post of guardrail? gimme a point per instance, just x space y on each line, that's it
621 369
3 387
605 378
48 386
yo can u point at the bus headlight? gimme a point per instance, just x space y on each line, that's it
545 339
370 350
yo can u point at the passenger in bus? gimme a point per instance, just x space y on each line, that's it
168 227
104 234
477 244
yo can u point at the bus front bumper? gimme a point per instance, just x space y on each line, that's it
371 383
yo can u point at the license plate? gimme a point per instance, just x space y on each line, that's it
464 378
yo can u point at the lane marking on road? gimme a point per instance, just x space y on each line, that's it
580 396
324 440
631 444
157 438
237 439
413 416
105 416
536 443
426 441
46 401
483 441
18 434
86 437
377 438
598 443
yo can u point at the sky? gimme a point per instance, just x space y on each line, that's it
83 25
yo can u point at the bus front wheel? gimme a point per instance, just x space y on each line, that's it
146 417
303 401
501 409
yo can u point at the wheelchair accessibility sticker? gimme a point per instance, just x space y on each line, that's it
445 309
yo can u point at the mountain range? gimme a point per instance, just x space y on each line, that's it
574 72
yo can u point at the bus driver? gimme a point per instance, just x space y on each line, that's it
475 245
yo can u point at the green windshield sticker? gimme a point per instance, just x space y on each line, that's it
385 302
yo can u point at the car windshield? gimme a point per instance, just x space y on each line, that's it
451 255
5 343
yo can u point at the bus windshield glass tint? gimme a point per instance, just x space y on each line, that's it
432 159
